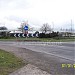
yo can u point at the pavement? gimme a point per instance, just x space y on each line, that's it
48 58
29 70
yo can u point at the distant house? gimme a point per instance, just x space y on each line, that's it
67 33
3 31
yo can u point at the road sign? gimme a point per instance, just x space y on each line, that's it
26 28
14 35
23 35
18 35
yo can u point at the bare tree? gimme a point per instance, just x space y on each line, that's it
45 28
23 25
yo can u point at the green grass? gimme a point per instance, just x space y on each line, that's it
65 39
9 63
58 40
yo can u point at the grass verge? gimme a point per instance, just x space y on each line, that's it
65 39
9 63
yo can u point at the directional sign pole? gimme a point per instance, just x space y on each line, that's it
26 30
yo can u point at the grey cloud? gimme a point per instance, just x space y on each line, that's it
15 18
4 3
14 4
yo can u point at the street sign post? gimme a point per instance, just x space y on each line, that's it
26 30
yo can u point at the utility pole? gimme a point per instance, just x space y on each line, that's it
71 26
53 25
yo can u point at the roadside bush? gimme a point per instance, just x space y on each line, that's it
49 35
42 35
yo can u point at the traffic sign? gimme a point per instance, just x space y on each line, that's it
14 35
26 28
18 35
23 35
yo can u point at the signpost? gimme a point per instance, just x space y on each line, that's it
26 29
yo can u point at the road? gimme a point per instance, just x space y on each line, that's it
49 55
63 50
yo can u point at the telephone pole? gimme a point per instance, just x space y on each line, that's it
71 25
53 25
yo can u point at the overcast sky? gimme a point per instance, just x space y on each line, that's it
57 13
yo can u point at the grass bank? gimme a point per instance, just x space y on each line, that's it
65 39
9 63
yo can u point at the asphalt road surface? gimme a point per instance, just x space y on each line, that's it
49 56
63 51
